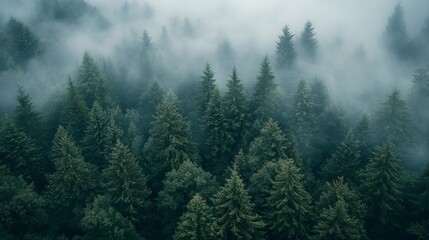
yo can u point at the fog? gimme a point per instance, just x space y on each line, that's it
353 63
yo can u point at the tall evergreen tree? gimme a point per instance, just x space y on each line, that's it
362 134
196 223
285 51
303 114
308 42
148 102
393 122
147 57
217 139
320 96
381 187
420 200
26 118
289 204
71 185
236 112
345 161
75 115
396 35
263 104
234 216
92 84
169 143
206 87
125 183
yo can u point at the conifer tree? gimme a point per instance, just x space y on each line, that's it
72 183
169 143
196 223
345 161
362 134
382 192
206 87
285 51
234 216
217 139
319 95
263 104
75 115
125 183
92 84
308 42
148 102
20 154
303 114
236 112
289 204
25 117
147 57
420 227
335 223
397 39
102 221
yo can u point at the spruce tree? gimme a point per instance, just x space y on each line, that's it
396 35
147 57
75 116
234 216
169 143
148 102
419 228
217 139
126 185
26 118
361 131
92 84
236 112
303 114
320 97
206 87
71 185
308 42
285 51
196 223
102 221
289 204
346 161
381 188
264 99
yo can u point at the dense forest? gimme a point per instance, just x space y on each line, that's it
185 137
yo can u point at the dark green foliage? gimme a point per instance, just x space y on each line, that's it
21 208
125 183
308 42
179 187
169 143
91 83
236 113
234 216
346 161
26 118
361 131
147 57
335 223
148 102
381 187
289 204
285 51
206 87
102 221
420 227
302 114
264 99
72 184
393 123
320 97
217 138
20 154
196 223
75 114
260 184
24 43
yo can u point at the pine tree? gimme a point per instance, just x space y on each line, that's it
125 183
335 223
95 141
92 84
308 42
25 117
102 221
206 87
285 51
396 33
260 184
236 112
22 209
319 95
179 187
217 139
234 216
20 154
196 222
362 134
147 57
169 143
393 123
289 204
382 192
75 115
148 102
303 114
72 183
419 228
345 161
264 100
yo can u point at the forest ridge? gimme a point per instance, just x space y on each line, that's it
132 146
